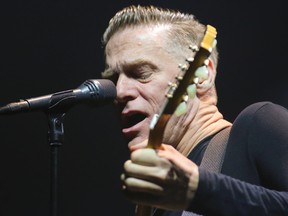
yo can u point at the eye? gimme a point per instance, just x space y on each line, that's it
142 74
144 77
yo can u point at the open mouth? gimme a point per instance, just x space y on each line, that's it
131 120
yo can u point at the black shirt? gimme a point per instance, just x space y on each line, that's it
254 175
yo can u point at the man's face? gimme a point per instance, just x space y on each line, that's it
144 67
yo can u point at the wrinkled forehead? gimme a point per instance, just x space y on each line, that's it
135 37
141 32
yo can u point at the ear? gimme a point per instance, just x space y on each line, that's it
206 83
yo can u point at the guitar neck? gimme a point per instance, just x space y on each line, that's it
174 97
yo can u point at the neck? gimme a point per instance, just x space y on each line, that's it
207 121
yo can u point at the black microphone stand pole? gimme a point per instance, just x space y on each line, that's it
55 139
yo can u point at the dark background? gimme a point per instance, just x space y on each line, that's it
49 46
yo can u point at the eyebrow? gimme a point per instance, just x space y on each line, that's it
109 72
140 63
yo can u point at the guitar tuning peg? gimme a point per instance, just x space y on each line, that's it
190 60
191 91
214 43
181 109
183 67
172 88
202 72
194 48
196 80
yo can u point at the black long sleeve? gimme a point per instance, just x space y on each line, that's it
219 194
254 176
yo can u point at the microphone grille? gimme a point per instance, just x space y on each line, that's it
102 89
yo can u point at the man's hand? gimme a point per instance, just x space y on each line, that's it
162 178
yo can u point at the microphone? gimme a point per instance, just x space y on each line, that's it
93 91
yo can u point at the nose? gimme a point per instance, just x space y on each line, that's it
126 88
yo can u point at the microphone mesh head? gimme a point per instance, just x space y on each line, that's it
103 90
107 89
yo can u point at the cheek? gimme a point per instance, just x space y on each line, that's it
155 91
155 94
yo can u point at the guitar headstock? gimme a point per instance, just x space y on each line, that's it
184 86
192 71
179 92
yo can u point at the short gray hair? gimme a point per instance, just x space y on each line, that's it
185 29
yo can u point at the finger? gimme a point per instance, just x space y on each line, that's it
149 157
138 146
139 185
176 158
145 157
152 173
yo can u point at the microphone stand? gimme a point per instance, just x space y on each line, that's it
55 139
